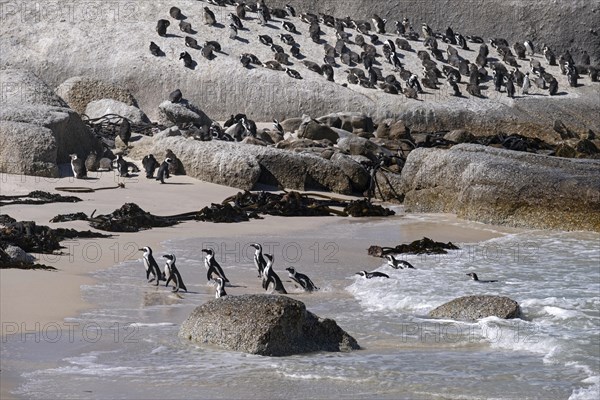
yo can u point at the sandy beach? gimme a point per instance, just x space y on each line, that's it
34 300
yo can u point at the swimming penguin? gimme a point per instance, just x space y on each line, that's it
172 273
301 279
78 167
161 27
151 266
259 260
155 50
293 73
398 264
125 131
212 266
288 26
163 171
374 274
188 62
220 288
474 276
209 16
150 164
269 276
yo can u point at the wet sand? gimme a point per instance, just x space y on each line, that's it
33 300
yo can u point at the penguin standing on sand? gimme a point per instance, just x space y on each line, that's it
212 266
163 171
526 84
122 167
150 164
269 276
78 167
151 266
301 279
172 273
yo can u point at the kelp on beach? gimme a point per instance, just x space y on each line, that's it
241 207
421 246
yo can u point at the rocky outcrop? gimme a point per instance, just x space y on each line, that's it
182 113
37 129
222 87
472 308
267 325
504 187
244 166
79 91
99 108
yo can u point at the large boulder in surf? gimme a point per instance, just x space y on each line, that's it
472 308
267 325
504 187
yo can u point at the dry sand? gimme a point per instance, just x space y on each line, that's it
29 298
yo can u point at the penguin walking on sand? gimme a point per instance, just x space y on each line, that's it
301 279
398 264
151 266
172 273
220 288
212 266
269 276
163 171
259 261
78 167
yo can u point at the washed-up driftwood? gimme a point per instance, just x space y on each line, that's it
422 246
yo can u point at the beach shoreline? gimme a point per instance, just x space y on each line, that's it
53 296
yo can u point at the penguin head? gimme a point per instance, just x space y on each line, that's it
210 252
473 276
73 156
169 257
361 273
291 270
256 246
146 250
268 256
168 160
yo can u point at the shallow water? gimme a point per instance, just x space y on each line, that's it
127 347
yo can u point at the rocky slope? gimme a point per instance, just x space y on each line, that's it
112 45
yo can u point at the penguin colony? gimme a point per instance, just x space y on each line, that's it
370 53
270 280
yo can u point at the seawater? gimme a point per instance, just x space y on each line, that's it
127 346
